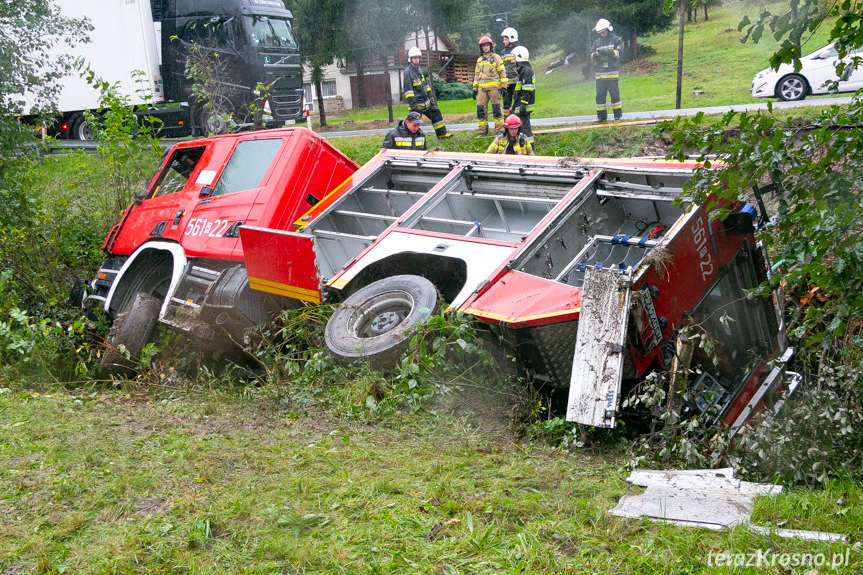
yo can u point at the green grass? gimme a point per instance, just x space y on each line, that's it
714 61
126 482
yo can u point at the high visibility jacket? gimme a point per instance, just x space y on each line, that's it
523 97
503 145
400 138
489 72
605 55
416 90
509 62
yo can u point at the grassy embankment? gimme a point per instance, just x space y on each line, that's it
120 482
714 61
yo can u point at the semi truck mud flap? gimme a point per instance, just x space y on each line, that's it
594 390
281 263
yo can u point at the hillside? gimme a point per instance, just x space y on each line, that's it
715 62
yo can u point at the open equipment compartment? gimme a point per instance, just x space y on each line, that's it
612 224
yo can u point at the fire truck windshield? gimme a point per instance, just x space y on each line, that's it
270 32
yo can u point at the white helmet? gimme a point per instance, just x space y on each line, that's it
603 24
414 52
521 54
510 33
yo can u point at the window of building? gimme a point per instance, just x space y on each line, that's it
328 88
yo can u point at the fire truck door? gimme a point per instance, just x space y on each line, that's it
597 368
213 228
157 213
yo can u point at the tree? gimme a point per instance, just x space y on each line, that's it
317 29
29 70
569 25
815 169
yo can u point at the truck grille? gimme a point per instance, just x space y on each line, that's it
286 103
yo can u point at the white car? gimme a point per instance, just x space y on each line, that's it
818 68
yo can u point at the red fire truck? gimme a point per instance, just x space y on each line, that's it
176 257
590 266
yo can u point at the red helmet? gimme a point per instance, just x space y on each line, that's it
485 40
512 121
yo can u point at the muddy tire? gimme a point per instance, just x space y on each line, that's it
132 328
376 323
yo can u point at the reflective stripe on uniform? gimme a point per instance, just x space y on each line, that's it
487 84
608 76
410 142
439 125
616 105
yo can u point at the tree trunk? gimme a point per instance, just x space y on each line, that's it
321 111
362 101
386 59
681 10
429 53
705 12
689 13
634 51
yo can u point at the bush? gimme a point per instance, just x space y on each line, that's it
817 434
452 90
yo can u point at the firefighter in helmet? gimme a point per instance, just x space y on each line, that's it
418 94
489 81
523 98
605 56
510 42
407 135
512 141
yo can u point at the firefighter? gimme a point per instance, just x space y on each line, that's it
512 141
489 80
523 97
407 135
605 57
510 42
418 94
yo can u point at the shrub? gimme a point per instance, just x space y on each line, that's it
452 90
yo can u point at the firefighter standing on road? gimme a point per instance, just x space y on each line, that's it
418 94
489 81
605 57
511 141
524 96
407 135
510 42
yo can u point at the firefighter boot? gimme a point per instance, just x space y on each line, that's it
498 119
483 120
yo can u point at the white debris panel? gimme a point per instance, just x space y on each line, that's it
710 498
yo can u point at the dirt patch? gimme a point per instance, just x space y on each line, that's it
147 506
653 147
640 66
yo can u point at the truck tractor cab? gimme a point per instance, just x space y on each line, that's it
246 42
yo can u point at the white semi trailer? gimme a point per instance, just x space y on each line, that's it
143 45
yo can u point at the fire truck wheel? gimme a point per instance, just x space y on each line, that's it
132 328
376 323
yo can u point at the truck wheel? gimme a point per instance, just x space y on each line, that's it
376 323
81 129
791 87
132 328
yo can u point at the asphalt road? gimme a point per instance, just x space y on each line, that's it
648 115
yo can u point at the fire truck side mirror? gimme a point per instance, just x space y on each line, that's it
206 191
139 197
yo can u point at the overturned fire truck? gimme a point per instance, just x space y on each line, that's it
590 267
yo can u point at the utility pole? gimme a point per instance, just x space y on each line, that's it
681 6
